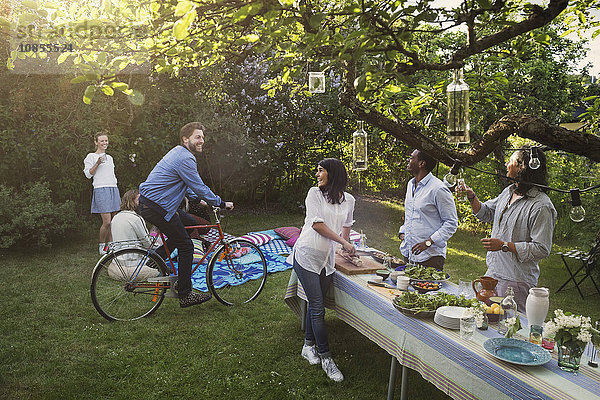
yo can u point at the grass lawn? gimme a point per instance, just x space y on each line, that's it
54 345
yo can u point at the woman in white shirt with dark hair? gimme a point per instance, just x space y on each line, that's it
106 197
329 217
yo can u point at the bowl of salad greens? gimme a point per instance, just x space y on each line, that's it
425 305
428 274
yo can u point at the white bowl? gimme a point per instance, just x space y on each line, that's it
376 279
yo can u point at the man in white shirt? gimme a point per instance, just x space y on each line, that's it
430 217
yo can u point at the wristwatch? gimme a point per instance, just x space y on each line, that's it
428 243
505 247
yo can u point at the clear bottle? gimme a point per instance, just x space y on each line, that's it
458 109
359 147
509 310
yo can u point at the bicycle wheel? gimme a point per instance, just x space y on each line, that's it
120 289
237 272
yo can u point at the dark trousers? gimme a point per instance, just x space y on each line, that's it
177 238
436 262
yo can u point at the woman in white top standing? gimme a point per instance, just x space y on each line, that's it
329 216
106 198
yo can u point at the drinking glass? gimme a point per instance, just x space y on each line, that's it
467 327
465 288
535 334
461 190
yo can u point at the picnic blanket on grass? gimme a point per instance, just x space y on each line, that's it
275 263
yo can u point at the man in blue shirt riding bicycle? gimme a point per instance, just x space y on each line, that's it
174 177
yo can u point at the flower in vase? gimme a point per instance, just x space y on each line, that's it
513 325
567 328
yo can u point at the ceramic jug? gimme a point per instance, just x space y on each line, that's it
487 288
536 306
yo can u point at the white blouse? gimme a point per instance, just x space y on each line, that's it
105 173
312 250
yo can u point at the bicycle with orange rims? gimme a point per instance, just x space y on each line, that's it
130 282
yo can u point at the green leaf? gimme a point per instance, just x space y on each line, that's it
78 79
136 98
286 3
108 90
51 4
89 93
251 38
182 26
27 18
183 7
30 4
485 4
122 86
543 38
246 11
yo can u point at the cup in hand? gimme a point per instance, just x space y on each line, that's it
461 190
102 157
467 327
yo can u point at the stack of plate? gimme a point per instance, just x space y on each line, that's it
449 316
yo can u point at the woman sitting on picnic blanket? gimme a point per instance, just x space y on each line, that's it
129 229
329 216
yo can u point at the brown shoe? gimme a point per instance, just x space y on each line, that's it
193 298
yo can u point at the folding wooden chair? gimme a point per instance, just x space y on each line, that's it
581 274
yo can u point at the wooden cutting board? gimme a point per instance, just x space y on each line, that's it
369 265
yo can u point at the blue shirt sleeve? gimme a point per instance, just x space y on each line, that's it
189 174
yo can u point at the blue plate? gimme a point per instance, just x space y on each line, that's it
517 351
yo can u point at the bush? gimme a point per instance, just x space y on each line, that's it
29 217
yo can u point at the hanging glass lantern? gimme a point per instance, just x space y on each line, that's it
316 82
458 109
359 148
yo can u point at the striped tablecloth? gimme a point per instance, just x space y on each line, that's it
462 369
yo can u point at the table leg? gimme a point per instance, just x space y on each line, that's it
303 306
392 381
404 389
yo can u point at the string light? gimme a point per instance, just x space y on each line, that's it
577 213
450 177
534 161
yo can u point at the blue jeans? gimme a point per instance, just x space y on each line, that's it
315 287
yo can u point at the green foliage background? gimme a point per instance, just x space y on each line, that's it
263 145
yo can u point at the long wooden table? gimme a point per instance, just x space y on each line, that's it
461 369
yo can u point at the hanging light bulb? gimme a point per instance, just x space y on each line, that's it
534 161
458 109
450 177
359 148
577 213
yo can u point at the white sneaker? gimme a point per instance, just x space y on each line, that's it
331 369
101 247
310 353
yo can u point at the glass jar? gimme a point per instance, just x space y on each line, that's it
359 148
